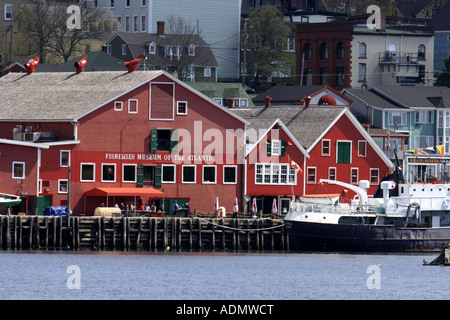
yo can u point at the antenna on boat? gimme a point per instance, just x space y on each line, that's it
444 173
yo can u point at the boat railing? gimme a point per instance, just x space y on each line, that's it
341 208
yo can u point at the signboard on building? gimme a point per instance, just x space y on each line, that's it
408 80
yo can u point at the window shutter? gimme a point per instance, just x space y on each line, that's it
343 152
173 140
140 176
269 147
154 140
158 173
283 147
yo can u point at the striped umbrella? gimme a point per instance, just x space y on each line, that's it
254 207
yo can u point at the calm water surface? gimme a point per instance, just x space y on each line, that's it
220 276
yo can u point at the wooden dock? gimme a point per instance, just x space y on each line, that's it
141 234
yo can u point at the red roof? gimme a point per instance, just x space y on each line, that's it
150 192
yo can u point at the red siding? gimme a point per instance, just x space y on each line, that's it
343 130
27 155
106 131
259 155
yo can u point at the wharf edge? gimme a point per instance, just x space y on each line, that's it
141 234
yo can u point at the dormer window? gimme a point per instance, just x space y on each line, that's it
152 48
169 51
191 50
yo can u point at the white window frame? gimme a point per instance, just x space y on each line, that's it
329 148
272 174
195 173
115 172
8 8
59 186
235 174
217 100
424 116
127 24
365 149
403 118
163 166
135 172
307 175
60 158
81 171
118 105
152 48
207 72
22 163
186 108
124 49
111 4
277 149
129 106
215 174
351 175
378 176
125 3
135 23
191 50
429 141
335 173
143 20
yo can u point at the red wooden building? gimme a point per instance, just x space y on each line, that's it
326 142
126 137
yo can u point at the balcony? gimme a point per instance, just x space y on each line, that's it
394 58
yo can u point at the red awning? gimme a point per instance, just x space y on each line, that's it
150 192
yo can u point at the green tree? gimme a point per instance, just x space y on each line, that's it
266 43
443 78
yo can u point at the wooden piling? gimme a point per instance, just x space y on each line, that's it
143 233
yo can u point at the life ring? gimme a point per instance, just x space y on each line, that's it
447 202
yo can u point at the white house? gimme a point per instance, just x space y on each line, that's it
391 56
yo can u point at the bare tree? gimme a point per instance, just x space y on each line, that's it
48 34
38 24
65 43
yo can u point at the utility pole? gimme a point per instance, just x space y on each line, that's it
429 78
11 40
244 56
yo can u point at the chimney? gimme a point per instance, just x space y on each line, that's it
79 66
132 65
305 101
230 102
160 28
267 102
32 65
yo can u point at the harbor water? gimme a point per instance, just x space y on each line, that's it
219 276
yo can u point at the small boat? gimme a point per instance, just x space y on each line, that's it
442 260
399 217
320 198
7 200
